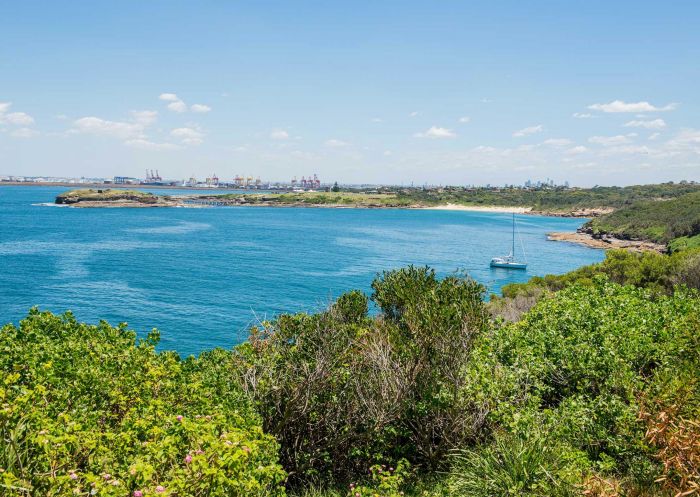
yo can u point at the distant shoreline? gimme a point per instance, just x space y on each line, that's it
123 197
480 208
113 185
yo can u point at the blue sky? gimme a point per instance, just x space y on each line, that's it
449 92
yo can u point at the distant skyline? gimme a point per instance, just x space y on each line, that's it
453 92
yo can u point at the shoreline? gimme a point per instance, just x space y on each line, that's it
479 208
607 242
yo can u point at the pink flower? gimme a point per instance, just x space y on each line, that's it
160 489
246 449
138 493
357 494
73 476
199 452
179 418
188 459
106 476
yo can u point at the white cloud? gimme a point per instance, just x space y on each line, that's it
608 141
96 126
654 124
178 106
24 133
414 114
14 118
17 118
133 131
376 119
279 134
530 130
654 136
144 117
436 132
621 106
557 142
465 119
144 144
189 136
387 153
334 143
200 108
577 150
582 115
629 149
688 140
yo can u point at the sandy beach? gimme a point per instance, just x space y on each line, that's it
480 208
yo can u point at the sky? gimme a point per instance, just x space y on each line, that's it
394 92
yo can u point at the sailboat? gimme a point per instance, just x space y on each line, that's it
509 261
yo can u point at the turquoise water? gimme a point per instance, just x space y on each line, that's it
203 276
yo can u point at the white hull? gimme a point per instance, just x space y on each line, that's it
509 265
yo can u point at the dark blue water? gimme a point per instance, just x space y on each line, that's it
203 276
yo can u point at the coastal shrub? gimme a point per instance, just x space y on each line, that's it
91 410
514 465
677 440
578 364
383 481
684 243
342 391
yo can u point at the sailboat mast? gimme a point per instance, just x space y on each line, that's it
512 250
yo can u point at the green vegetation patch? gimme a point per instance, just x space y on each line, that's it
658 221
92 410
558 199
323 198
573 376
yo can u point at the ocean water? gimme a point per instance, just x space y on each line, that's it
203 276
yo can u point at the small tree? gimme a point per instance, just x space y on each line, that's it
335 188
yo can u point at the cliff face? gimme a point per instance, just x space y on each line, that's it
108 196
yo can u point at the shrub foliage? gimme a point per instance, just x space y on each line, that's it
342 391
88 410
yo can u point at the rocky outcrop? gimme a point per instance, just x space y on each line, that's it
113 198
582 237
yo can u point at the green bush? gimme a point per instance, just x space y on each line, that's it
91 410
579 362
518 466
656 272
342 391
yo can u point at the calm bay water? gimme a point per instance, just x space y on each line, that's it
203 276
